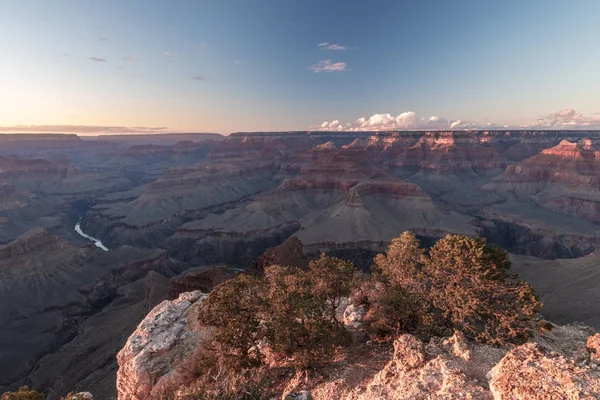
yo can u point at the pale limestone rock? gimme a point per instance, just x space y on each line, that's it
82 396
303 395
530 372
593 346
354 316
433 371
148 364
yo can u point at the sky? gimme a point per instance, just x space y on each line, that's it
272 65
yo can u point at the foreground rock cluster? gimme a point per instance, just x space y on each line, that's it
562 363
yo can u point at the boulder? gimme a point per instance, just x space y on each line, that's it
154 358
529 372
354 315
593 346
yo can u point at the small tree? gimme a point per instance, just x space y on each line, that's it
24 393
332 279
300 326
472 287
397 293
234 309
402 266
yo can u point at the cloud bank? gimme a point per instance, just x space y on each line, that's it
564 119
405 121
328 66
568 119
80 129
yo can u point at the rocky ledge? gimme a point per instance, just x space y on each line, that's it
561 363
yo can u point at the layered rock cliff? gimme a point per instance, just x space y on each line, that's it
51 289
564 179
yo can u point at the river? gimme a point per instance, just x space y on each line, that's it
97 242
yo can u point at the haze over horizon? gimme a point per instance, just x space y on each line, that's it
90 66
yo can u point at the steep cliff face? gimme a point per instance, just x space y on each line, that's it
564 179
561 363
327 195
227 201
49 289
179 195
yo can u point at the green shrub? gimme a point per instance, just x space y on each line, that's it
300 326
397 292
462 284
222 383
391 310
332 279
472 287
234 308
289 309
24 393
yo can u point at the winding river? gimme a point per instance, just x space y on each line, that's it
97 242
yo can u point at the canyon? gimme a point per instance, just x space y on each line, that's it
185 212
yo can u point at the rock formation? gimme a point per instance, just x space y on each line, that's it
563 179
155 355
49 288
555 364
191 200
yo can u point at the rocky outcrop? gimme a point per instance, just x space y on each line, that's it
80 396
201 278
444 369
529 371
553 367
563 179
593 346
555 364
151 363
289 253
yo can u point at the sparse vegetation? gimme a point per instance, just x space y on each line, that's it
289 314
332 279
24 393
472 287
300 325
397 290
289 309
222 383
234 309
462 284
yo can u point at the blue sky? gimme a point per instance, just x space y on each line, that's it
231 65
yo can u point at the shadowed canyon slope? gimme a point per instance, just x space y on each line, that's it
175 210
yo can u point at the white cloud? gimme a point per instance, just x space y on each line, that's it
564 119
331 46
404 121
328 66
568 119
